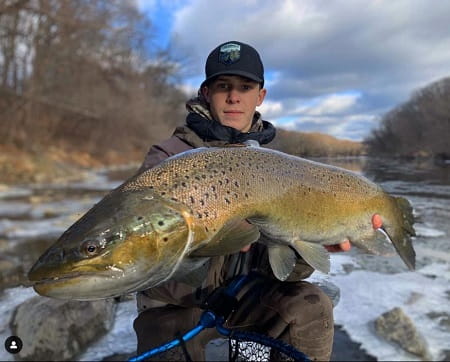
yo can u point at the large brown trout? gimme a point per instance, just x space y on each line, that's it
165 222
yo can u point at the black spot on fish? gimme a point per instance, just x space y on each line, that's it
183 184
227 201
160 223
174 199
192 199
140 218
165 239
236 183
246 195
202 202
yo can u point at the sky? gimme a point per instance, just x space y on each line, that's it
331 66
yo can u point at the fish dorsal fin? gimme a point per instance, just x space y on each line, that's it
314 254
230 239
282 260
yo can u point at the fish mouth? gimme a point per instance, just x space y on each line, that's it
62 279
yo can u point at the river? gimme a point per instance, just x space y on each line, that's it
33 216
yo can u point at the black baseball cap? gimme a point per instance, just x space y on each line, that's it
234 58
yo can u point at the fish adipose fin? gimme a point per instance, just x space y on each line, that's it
282 260
233 236
314 254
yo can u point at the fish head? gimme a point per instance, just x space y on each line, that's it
129 241
389 230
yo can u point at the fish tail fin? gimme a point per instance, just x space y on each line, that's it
402 242
407 214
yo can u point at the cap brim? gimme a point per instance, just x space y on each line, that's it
233 72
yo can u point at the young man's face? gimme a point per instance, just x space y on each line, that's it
233 99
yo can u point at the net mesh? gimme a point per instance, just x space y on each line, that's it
241 349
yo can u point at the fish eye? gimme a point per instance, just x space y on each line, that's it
90 248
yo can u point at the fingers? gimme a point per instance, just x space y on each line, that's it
246 248
344 246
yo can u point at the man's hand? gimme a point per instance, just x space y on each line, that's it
246 248
344 246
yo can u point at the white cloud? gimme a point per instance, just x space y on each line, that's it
271 109
332 104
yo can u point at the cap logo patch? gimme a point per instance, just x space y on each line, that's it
229 53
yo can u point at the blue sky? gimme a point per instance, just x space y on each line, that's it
332 66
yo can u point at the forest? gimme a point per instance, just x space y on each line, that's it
83 75
420 127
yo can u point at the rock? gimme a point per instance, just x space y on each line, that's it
53 329
397 327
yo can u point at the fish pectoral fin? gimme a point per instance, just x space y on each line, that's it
193 277
282 260
230 239
314 254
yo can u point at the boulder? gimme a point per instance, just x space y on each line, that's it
396 326
53 329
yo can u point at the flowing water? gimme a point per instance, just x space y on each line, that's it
33 216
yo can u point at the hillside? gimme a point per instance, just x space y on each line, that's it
418 128
315 144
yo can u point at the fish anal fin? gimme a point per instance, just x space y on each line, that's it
282 260
314 254
230 239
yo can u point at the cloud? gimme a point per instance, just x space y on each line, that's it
325 51
331 104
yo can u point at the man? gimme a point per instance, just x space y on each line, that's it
295 311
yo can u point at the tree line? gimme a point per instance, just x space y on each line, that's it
83 74
419 127
314 144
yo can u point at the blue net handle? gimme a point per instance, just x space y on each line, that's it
209 319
